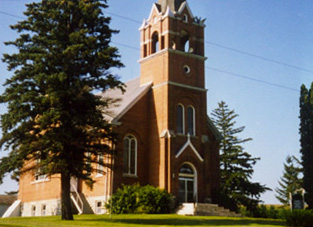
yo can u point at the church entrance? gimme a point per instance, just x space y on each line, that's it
187 192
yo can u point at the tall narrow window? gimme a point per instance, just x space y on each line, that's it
185 44
130 155
173 45
180 119
162 42
145 50
155 42
185 18
191 121
100 164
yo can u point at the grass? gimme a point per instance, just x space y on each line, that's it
138 220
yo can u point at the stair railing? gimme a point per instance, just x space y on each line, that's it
77 199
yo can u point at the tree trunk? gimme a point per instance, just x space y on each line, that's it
67 213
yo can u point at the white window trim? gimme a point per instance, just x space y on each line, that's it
43 211
195 179
128 174
40 177
185 18
33 212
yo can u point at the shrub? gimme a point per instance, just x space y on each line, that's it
303 218
264 211
147 199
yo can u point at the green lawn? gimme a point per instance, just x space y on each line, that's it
139 220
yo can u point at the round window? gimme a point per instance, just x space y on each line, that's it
186 69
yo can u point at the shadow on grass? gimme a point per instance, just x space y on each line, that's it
192 221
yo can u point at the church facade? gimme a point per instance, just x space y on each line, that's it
166 138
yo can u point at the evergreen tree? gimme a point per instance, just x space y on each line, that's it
306 141
63 56
236 165
290 181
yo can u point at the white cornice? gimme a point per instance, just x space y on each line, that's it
172 51
180 85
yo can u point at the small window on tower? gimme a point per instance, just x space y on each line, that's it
191 121
180 118
145 50
186 69
185 45
185 18
173 45
155 42
162 42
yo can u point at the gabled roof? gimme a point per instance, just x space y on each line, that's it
174 5
7 199
215 131
183 6
155 7
120 103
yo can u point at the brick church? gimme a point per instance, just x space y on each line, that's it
166 138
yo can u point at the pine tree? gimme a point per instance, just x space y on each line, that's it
290 181
306 141
236 165
63 56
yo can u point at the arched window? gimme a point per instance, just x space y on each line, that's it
130 155
155 42
180 119
191 119
173 45
185 41
187 184
185 18
186 46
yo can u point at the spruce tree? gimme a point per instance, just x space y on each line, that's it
290 181
306 141
236 165
63 56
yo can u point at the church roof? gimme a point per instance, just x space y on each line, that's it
215 131
120 102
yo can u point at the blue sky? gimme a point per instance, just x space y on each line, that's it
259 54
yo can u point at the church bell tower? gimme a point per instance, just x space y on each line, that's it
172 58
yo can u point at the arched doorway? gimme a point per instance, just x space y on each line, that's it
187 178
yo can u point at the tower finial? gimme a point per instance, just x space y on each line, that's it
173 4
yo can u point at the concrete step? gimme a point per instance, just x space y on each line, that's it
205 209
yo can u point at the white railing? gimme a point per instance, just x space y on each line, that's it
13 210
77 199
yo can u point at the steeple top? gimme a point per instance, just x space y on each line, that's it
174 5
